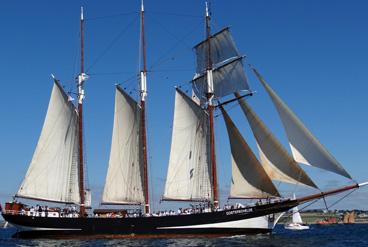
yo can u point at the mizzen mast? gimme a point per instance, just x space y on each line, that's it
143 94
211 108
80 81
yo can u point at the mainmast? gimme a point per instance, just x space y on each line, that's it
211 107
81 78
143 94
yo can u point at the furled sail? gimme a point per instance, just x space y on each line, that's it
53 172
188 176
249 179
305 147
124 180
228 72
276 161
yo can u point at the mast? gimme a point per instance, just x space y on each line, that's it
210 96
143 90
81 78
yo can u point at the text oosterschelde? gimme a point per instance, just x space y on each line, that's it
239 211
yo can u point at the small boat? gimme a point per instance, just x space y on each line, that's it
297 222
327 221
349 218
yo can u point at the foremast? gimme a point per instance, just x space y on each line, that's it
80 81
143 94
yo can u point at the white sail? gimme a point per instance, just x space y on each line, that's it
249 179
188 176
124 180
227 79
53 172
222 48
305 147
296 215
276 161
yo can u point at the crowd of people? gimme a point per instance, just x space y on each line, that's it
194 209
38 211
72 212
45 211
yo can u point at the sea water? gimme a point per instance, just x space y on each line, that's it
332 236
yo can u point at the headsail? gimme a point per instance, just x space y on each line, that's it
249 179
188 176
276 161
53 172
228 72
305 147
124 181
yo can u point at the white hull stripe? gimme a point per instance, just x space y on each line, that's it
259 223
29 228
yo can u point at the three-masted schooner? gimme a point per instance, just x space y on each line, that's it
56 170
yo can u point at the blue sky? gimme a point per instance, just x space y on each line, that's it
313 53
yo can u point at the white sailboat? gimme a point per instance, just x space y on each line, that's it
296 222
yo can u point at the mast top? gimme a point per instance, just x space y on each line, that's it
207 10
82 16
142 6
143 72
82 76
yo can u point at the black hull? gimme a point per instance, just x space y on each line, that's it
252 220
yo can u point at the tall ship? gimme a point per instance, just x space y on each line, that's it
56 172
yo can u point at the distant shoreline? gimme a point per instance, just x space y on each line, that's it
314 217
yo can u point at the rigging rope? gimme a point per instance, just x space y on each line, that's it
333 204
165 57
230 108
170 70
170 33
75 66
128 84
112 73
161 60
350 192
174 14
112 43
110 16
309 204
324 201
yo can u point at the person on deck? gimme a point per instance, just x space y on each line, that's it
39 211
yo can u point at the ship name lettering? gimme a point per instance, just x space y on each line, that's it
239 211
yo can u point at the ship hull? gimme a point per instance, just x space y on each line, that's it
253 220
